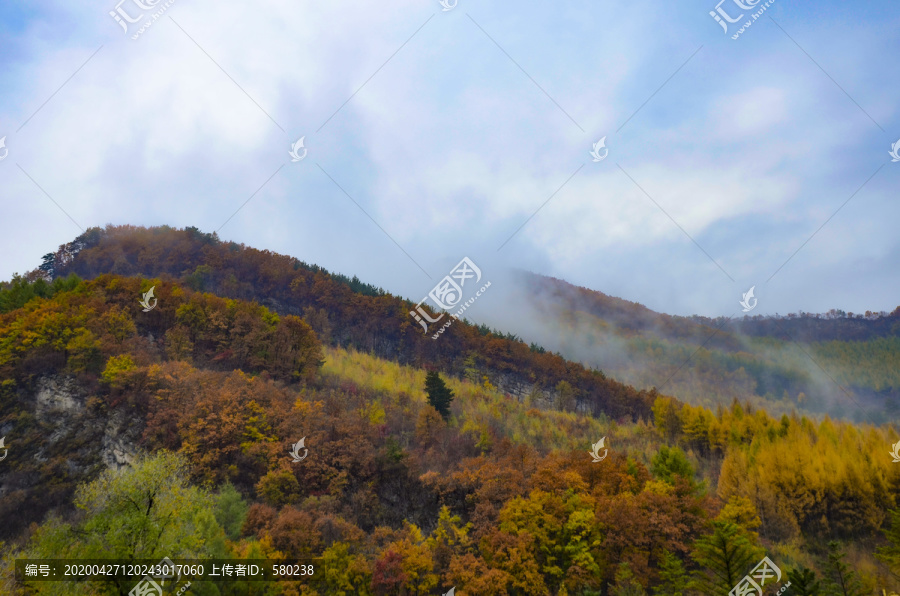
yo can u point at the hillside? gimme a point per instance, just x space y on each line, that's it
166 432
840 364
343 312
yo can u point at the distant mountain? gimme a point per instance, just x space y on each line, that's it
837 363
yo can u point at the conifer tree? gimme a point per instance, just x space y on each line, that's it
804 582
674 578
724 558
841 579
439 395
626 584
890 555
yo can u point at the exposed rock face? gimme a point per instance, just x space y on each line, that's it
60 437
57 395
119 442
60 405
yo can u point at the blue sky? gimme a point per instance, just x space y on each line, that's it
452 129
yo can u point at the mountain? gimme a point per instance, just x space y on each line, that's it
146 426
840 364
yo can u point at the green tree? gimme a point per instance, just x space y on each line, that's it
804 582
671 462
724 557
890 555
673 576
231 510
626 584
117 367
48 266
439 395
840 578
146 511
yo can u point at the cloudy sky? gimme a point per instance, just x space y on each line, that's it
435 134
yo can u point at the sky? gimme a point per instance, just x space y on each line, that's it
435 132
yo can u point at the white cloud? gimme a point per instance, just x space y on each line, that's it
449 145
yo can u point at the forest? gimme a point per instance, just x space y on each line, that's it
141 435
838 363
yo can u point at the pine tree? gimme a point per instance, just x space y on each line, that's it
49 264
674 578
724 558
841 579
439 395
804 582
890 555
626 584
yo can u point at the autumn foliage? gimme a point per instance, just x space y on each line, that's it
494 494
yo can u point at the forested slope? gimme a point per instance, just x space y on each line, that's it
344 312
841 364
202 397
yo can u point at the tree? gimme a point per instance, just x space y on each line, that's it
48 266
341 572
231 510
626 584
279 486
417 561
450 537
890 555
840 578
673 576
741 511
117 368
671 462
565 397
147 511
439 395
724 558
557 531
666 418
804 583
296 351
388 576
